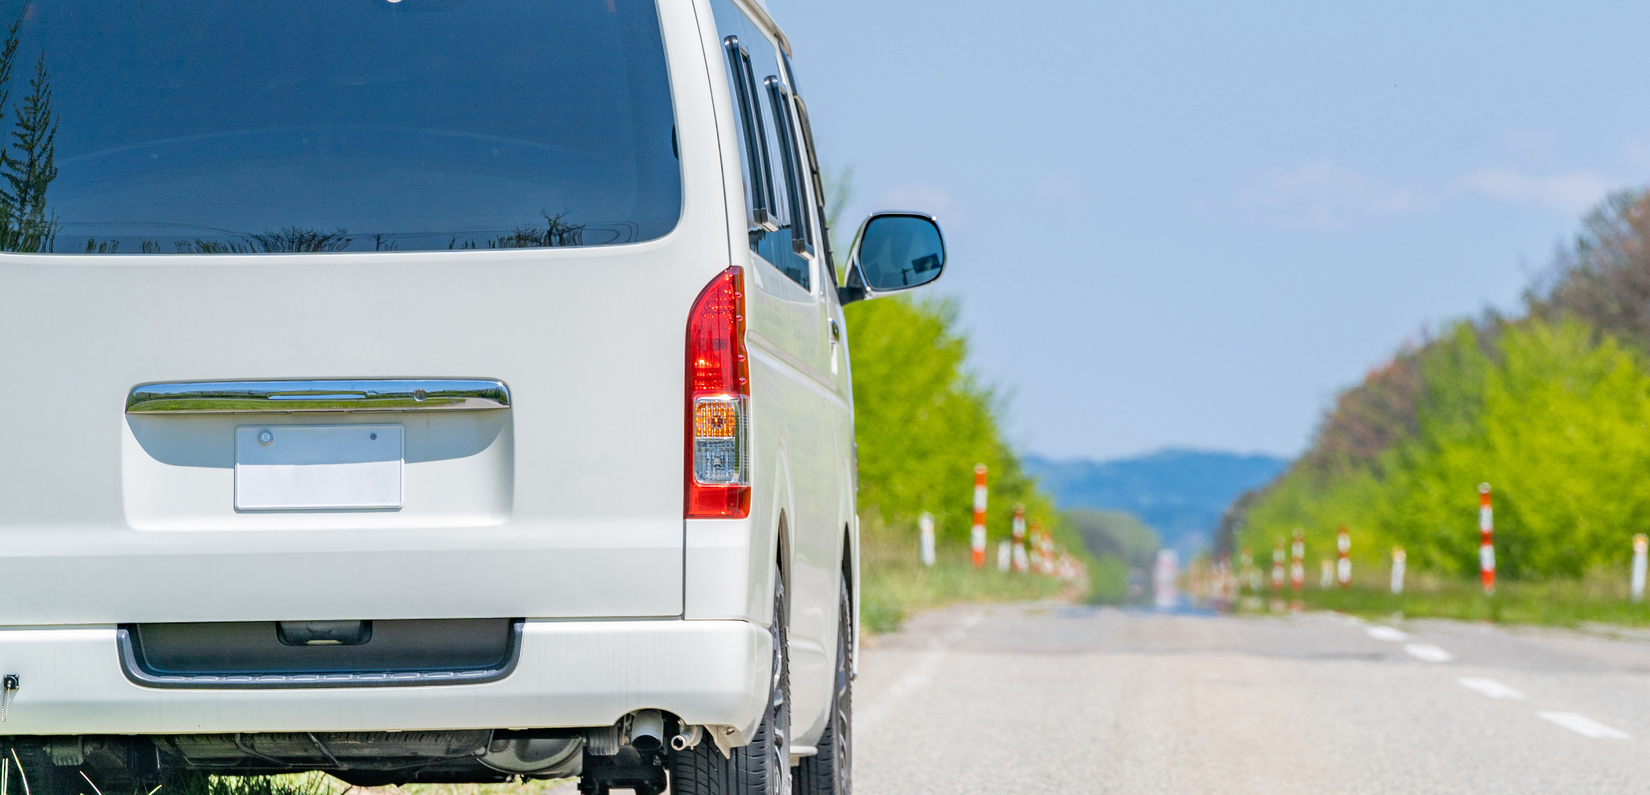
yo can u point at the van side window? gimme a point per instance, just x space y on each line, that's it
810 172
776 193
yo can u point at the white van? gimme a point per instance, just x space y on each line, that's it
424 391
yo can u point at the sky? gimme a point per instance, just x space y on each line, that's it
1190 225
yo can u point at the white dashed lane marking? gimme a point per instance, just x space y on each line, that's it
1420 651
1491 688
1584 725
1387 634
1428 652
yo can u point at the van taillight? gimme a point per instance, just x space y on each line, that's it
718 394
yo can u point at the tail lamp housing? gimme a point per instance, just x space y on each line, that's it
718 397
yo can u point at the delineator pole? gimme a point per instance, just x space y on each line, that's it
1297 568
1397 570
1486 539
1277 567
1641 544
1343 566
1326 573
976 535
1045 547
1021 564
1297 563
925 523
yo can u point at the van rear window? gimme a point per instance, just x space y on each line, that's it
263 126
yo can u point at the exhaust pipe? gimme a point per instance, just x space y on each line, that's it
687 739
647 730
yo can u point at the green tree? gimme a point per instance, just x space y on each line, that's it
922 421
1553 414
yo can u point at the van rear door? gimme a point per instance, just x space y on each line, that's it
351 197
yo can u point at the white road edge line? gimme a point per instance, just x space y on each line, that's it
1584 725
1387 634
1428 652
1491 688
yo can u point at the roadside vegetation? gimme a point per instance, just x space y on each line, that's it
1596 598
897 584
922 421
1551 406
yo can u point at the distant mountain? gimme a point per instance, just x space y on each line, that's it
1179 493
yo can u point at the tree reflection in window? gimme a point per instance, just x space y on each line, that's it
291 239
27 159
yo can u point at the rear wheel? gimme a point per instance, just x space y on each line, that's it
764 766
830 772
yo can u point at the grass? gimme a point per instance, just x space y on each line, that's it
1597 598
316 783
312 783
519 788
896 583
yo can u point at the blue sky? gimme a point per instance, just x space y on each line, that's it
1176 224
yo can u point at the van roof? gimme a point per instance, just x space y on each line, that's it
758 9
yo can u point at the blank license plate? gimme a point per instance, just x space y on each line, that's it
318 467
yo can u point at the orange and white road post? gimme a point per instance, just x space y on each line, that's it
1486 539
1278 557
976 535
1397 570
925 524
1021 564
1641 545
1343 565
1326 573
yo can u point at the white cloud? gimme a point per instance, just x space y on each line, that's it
1568 192
1325 195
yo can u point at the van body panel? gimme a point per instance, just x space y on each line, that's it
566 508
801 415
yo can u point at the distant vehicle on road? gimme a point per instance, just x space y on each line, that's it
426 391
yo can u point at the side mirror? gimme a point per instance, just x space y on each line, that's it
893 251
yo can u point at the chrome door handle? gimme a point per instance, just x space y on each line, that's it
348 394
836 332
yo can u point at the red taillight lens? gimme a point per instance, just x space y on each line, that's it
718 389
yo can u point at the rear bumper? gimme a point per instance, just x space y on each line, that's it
569 674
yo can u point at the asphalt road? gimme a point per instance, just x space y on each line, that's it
1018 699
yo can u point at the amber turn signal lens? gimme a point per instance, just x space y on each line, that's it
715 419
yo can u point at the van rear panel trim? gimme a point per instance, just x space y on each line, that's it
252 654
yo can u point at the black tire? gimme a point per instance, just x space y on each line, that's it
830 772
764 766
